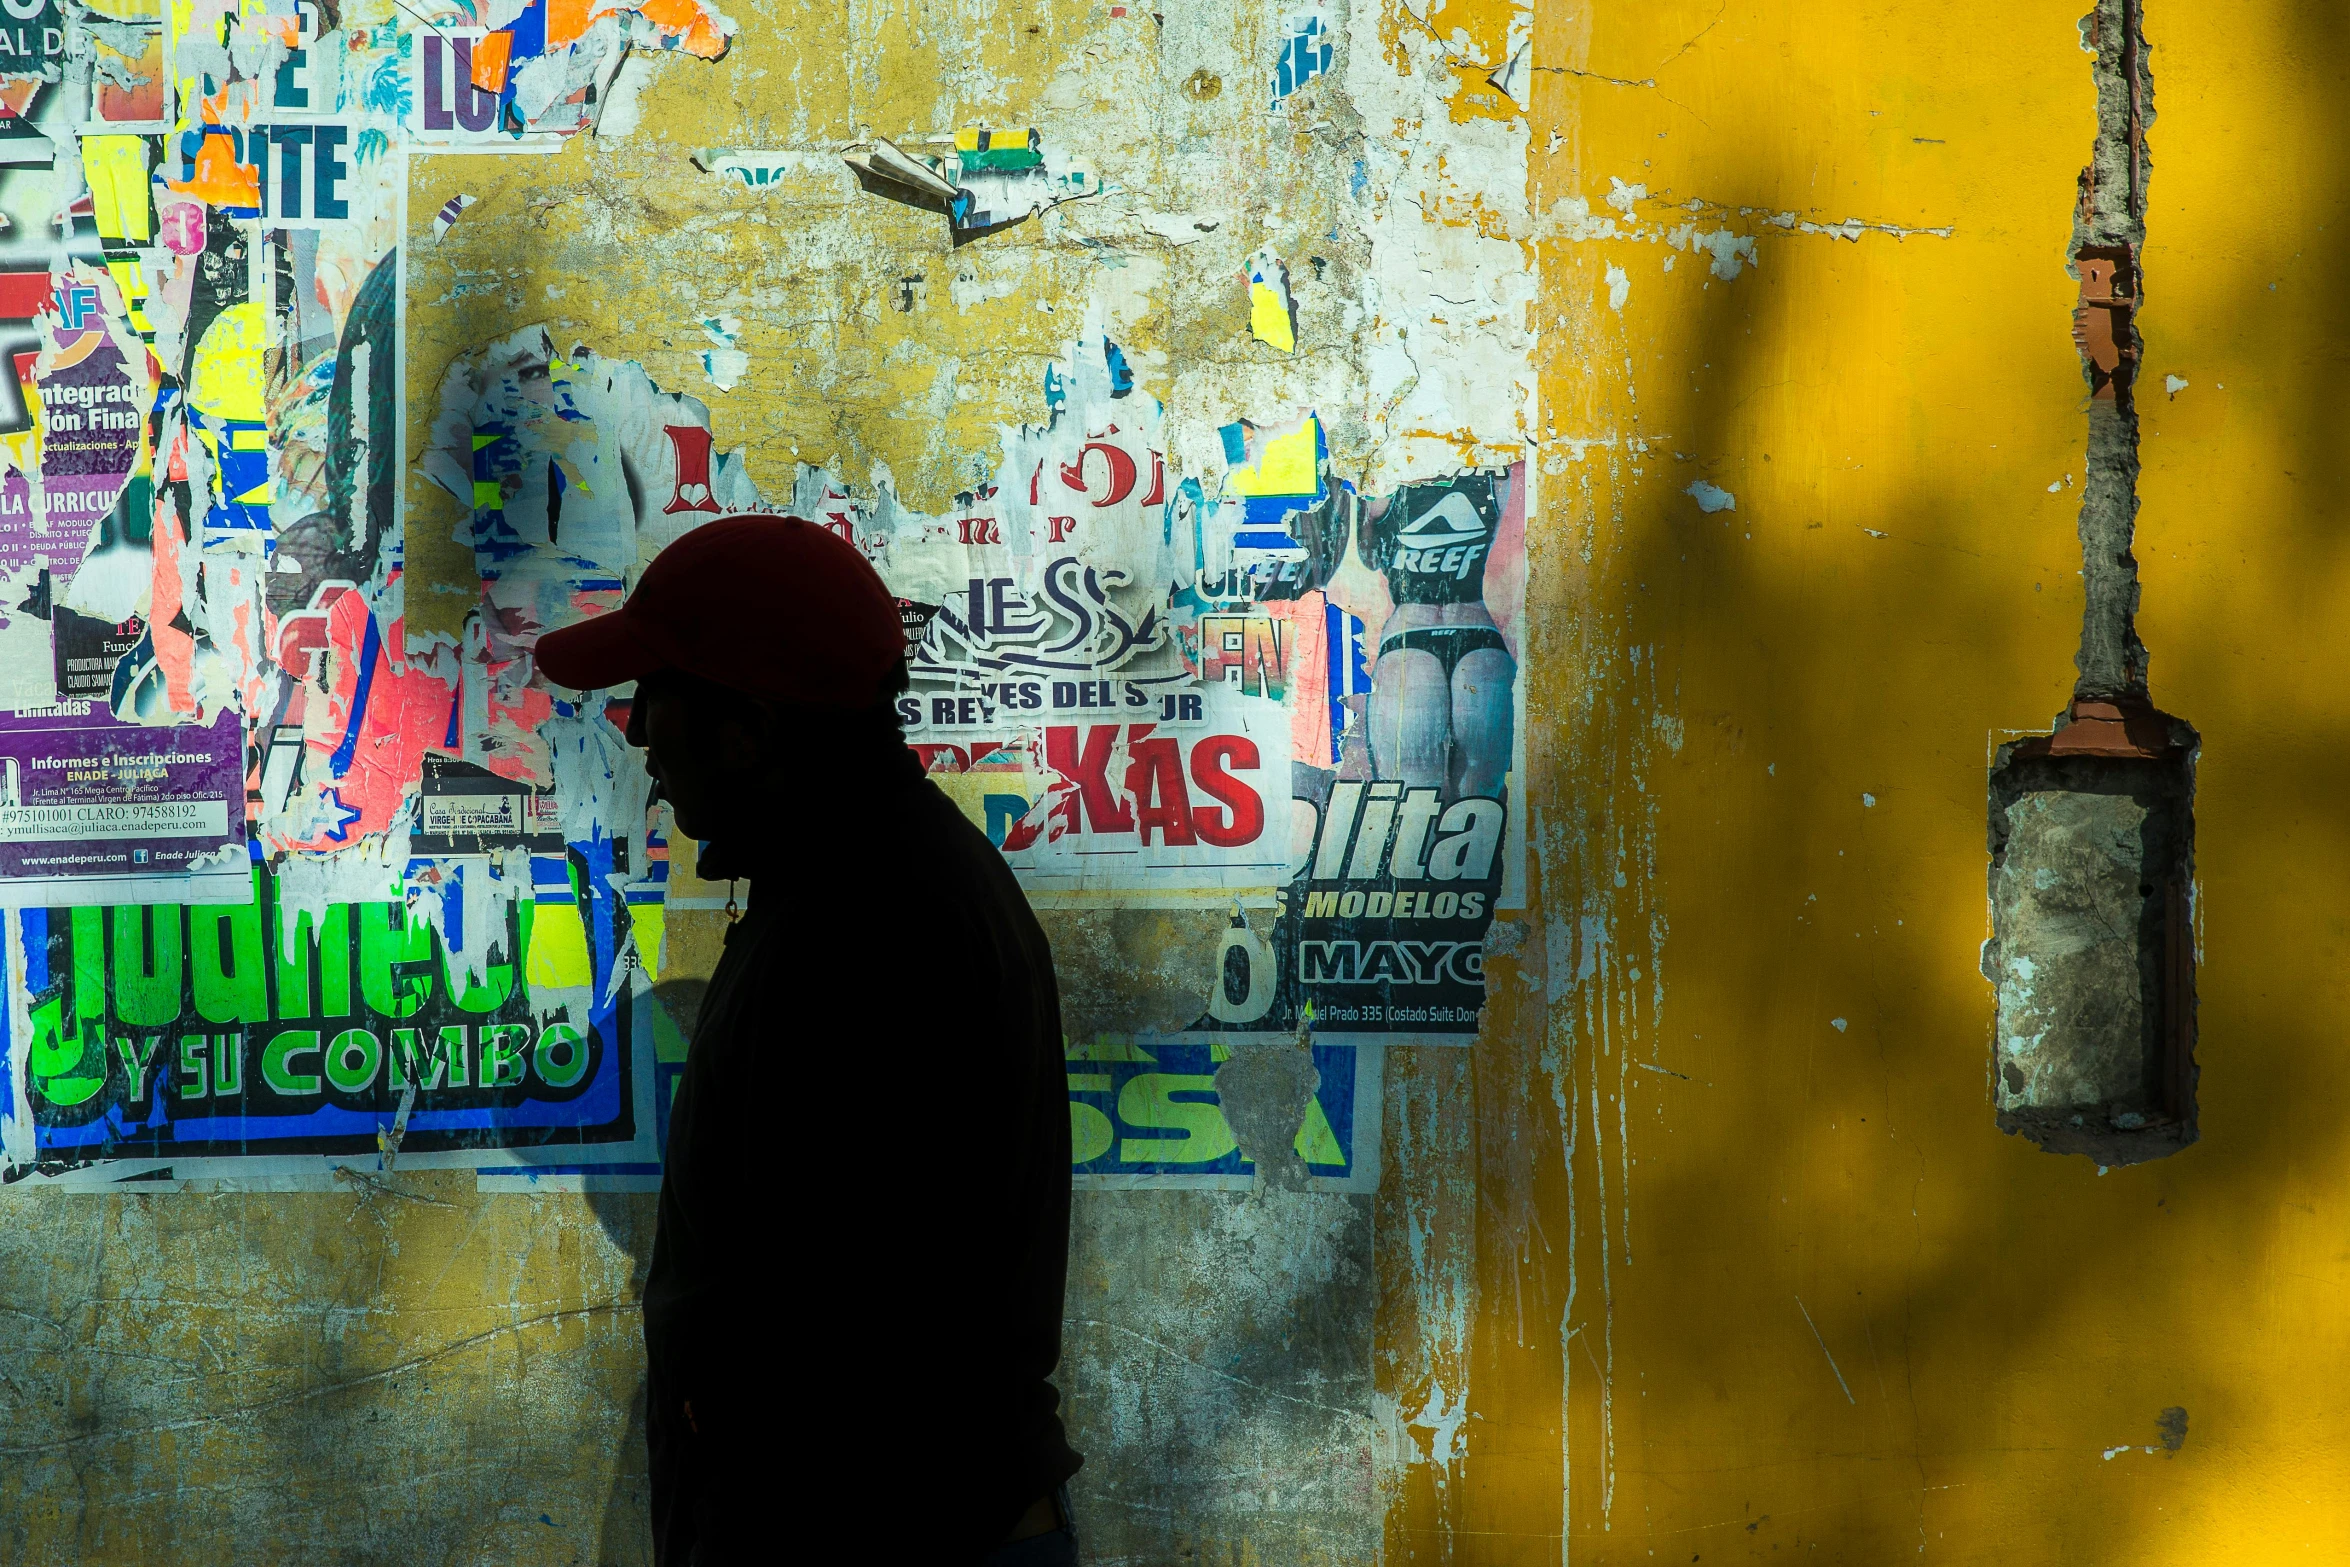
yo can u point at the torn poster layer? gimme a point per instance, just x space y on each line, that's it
1131 684
214 734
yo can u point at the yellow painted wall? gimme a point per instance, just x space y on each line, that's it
1746 1271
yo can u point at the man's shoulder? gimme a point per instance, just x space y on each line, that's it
924 833
916 864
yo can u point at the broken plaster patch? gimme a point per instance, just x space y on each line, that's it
1731 253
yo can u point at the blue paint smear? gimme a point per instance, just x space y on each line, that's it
369 651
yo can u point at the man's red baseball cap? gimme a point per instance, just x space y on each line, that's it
771 606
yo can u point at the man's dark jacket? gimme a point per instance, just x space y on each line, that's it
864 1225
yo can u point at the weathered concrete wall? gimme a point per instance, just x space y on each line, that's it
411 1373
1712 1244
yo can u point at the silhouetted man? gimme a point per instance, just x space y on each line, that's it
855 1295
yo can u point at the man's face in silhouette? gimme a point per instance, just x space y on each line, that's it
704 747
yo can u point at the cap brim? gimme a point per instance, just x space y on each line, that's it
610 650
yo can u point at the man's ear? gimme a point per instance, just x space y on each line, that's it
751 734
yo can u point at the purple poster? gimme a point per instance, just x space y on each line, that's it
83 795
52 543
91 413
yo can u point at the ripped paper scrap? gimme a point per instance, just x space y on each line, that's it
1288 463
493 56
1275 495
1515 73
93 385
749 167
508 91
451 211
1002 177
1272 311
724 363
694 27
883 163
1514 80
1305 53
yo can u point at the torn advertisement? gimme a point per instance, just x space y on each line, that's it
226 60
47 61
545 73
574 471
33 40
359 713
1272 312
65 467
1158 788
446 218
883 168
1002 177
86 653
118 45
754 169
723 362
40 195
1148 1112
204 1034
1051 693
450 107
463 809
1407 755
91 389
273 573
87 802
1306 52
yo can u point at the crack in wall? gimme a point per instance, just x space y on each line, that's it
2109 230
282 1401
2092 825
